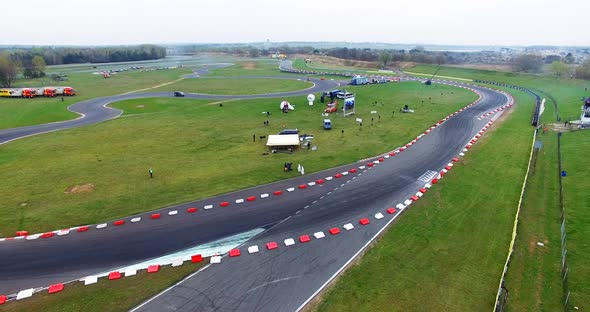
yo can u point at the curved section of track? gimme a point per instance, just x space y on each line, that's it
96 110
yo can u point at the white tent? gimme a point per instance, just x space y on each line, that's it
283 140
289 106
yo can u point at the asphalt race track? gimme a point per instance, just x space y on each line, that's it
283 279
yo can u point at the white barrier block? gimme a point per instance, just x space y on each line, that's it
130 272
407 202
375 162
90 280
253 249
328 178
386 156
291 189
362 167
208 207
419 194
319 235
378 216
465 150
177 262
461 154
136 219
311 183
450 164
265 195
400 206
348 226
173 212
23 294
289 242
2 239
427 185
445 170
63 232
239 201
32 237
215 259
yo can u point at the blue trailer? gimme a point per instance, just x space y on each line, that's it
359 80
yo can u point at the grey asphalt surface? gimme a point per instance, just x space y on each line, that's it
278 280
283 279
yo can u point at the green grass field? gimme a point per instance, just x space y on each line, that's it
236 86
104 296
209 142
576 202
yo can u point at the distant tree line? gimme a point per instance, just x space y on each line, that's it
31 62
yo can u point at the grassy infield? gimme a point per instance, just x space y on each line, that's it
431 257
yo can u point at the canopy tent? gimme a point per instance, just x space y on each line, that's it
283 140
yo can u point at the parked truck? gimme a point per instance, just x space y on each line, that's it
34 92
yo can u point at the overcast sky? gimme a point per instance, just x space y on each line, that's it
472 22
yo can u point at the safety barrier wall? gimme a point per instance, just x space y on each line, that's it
536 112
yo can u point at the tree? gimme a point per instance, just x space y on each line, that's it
254 52
558 68
583 71
569 58
527 63
38 66
384 57
8 70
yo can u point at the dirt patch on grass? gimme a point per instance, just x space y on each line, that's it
319 60
140 106
84 188
494 67
248 65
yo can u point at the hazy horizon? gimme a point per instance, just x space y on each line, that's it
427 22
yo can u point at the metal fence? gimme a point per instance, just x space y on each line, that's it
564 267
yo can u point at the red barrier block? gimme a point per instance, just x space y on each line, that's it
319 181
191 209
224 204
448 168
278 193
55 288
272 245
83 228
196 258
155 216
423 190
353 170
381 159
304 238
22 233
153 268
338 175
47 235
302 186
114 276
334 231
251 198
468 147
434 181
391 210
414 198
455 159
391 153
364 221
2 299
409 144
442 174
370 164
119 222
234 253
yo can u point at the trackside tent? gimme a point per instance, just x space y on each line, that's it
285 140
